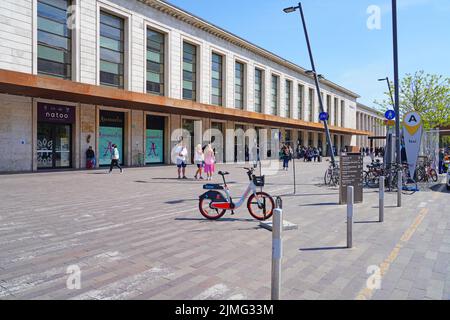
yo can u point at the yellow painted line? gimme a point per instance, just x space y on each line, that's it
366 293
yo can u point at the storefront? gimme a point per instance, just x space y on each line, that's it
111 131
154 139
54 135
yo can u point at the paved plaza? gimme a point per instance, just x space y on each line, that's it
139 235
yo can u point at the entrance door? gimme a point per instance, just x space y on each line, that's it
111 132
54 146
154 140
217 140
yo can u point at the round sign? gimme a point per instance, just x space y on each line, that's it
390 114
323 116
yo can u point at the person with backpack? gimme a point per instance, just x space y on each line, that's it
115 159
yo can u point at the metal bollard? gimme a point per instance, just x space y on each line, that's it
277 248
381 200
349 216
399 188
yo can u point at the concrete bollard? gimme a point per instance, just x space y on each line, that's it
399 188
381 200
350 194
277 250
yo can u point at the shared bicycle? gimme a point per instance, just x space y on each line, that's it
215 202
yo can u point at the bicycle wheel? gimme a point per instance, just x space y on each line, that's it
204 205
433 174
372 180
420 175
409 186
260 206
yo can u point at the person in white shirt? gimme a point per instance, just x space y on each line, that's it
115 159
181 152
199 159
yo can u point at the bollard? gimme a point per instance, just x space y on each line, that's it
349 216
399 188
381 200
277 247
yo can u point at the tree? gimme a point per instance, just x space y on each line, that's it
427 94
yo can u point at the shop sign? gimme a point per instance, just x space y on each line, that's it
55 113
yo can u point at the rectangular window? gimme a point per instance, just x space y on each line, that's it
155 62
329 107
274 95
54 39
217 79
239 86
311 104
189 71
343 113
287 109
300 96
112 39
336 107
258 90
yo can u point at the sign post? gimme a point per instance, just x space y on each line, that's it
412 136
351 174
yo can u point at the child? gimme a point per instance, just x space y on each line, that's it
210 159
199 159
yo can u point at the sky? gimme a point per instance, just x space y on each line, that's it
345 50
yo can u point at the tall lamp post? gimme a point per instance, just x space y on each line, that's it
396 94
316 78
390 90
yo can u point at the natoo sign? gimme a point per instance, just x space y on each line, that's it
55 113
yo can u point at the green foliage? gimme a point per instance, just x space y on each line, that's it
427 94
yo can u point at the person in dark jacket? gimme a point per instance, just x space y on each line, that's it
90 158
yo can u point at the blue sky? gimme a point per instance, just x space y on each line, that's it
345 50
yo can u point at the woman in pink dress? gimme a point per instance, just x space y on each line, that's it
210 159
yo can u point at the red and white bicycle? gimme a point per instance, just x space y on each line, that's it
217 200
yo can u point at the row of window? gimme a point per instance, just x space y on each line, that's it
54 59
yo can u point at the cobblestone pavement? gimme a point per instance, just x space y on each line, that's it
139 235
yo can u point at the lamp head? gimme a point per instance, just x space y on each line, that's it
289 10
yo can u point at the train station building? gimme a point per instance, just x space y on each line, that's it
142 73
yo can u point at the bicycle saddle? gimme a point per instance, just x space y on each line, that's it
223 173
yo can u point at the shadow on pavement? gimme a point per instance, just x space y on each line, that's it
320 204
323 248
438 188
306 194
367 221
215 221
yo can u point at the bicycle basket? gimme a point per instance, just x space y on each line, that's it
258 181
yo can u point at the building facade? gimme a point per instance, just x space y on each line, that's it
371 120
141 74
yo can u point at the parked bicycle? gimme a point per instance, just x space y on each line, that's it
373 173
425 173
214 203
409 185
331 177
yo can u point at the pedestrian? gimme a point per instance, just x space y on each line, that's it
90 158
319 155
210 160
115 159
315 154
181 152
199 159
286 156
441 161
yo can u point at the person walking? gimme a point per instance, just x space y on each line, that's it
285 155
181 152
441 161
115 159
199 159
210 160
315 154
319 154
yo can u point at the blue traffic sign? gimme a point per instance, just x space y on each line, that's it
390 114
323 116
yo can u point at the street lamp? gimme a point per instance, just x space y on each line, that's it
390 90
316 77
320 76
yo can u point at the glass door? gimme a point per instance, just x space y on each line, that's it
54 146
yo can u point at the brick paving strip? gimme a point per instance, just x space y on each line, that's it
140 236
